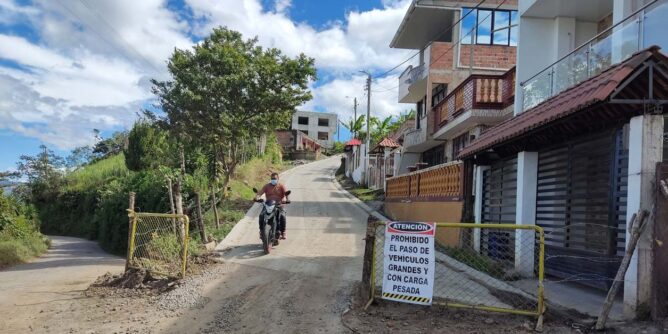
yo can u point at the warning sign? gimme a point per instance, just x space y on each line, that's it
408 273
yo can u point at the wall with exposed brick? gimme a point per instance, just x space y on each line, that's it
285 138
441 55
488 56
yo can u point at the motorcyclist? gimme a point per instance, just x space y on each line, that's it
274 191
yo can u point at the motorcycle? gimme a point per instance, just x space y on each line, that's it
270 222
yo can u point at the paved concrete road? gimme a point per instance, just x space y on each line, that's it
51 280
304 284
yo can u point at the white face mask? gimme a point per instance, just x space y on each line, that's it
274 182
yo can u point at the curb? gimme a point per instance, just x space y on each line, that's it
358 202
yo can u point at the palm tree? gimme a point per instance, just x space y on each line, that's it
403 118
355 126
380 128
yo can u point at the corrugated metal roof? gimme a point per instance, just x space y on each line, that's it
577 98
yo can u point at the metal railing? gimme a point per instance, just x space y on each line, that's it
489 267
642 29
159 243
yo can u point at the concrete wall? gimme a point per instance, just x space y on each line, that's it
441 212
312 128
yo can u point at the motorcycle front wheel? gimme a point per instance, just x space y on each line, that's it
266 238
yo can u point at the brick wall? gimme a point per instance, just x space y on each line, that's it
441 56
285 138
488 56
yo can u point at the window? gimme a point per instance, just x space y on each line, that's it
458 144
323 122
434 156
302 120
420 111
486 26
323 136
438 94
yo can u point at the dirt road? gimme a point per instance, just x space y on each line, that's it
51 282
305 283
301 287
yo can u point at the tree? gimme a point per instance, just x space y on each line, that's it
403 118
380 128
111 146
79 157
45 168
148 147
355 126
226 90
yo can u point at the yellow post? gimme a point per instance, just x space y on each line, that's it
133 232
186 221
541 273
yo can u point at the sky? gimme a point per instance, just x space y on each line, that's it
70 66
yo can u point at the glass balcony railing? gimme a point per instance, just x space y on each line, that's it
641 30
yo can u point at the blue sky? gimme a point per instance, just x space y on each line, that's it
68 67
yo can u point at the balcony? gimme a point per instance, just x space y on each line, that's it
640 30
479 100
413 83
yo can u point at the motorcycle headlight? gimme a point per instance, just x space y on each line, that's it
270 208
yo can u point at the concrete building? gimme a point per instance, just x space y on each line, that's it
318 125
463 81
297 145
580 156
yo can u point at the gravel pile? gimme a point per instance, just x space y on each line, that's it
188 293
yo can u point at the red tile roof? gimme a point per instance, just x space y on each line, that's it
388 142
592 91
354 142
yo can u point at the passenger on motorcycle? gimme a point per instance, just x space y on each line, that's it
274 191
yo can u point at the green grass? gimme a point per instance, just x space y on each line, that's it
253 174
363 193
98 173
15 251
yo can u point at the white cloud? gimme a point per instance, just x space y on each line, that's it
361 43
87 63
282 5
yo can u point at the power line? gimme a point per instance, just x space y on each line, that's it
453 45
104 37
105 22
433 39
475 28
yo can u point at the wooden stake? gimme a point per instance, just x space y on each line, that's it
200 217
636 225
131 210
171 202
215 206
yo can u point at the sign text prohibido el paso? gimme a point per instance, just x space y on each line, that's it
408 263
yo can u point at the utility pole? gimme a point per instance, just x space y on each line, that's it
368 132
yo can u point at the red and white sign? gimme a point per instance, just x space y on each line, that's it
408 262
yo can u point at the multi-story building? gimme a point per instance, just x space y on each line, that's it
462 81
318 125
586 146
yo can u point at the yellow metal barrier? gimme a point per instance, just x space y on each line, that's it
159 243
490 267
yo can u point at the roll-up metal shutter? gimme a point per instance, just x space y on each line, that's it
581 204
